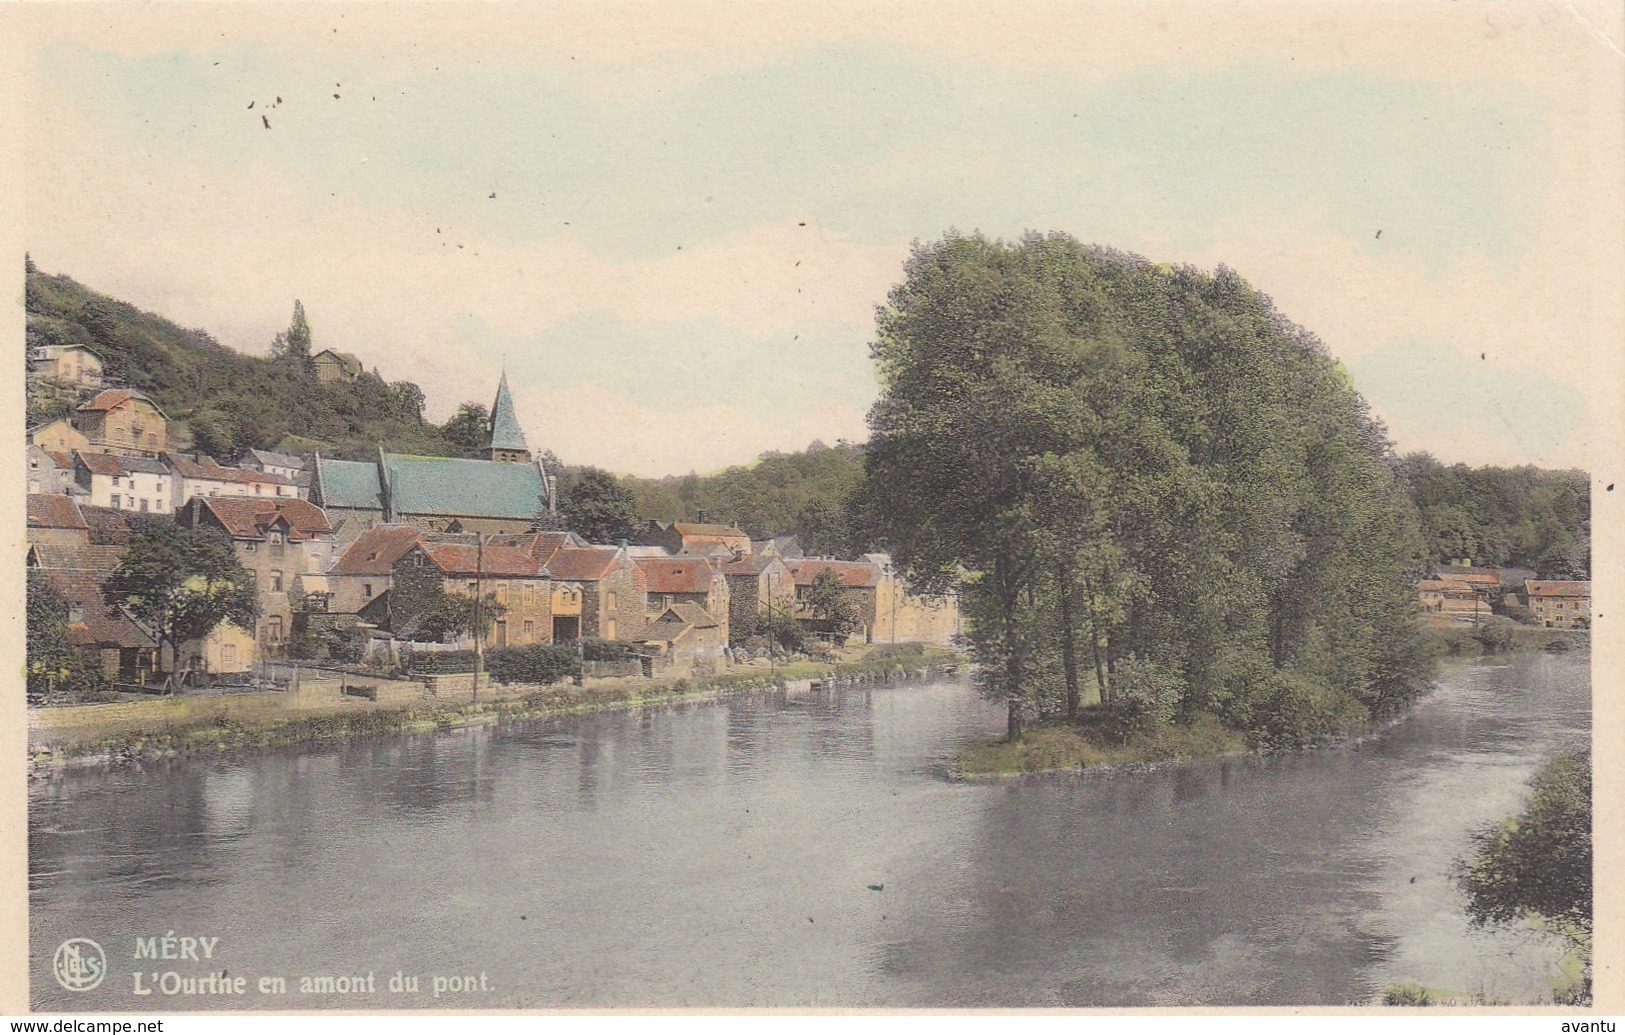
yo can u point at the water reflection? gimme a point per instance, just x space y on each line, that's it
796 850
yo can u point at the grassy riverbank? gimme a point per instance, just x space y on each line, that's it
172 727
1062 747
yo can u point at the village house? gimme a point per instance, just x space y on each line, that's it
684 636
120 648
125 482
507 574
1452 600
202 475
1559 604
333 366
289 467
76 365
123 420
285 543
694 538
365 569
228 654
58 436
56 520
903 616
758 585
858 579
683 580
597 592
48 471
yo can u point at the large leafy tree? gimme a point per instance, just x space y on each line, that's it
598 507
827 602
1132 462
468 429
181 583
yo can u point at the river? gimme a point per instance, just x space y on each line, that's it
796 850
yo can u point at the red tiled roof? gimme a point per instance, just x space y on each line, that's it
110 399
584 564
61 459
544 545
853 574
750 565
1556 588
247 517
102 463
692 530
100 623
493 560
76 556
48 510
376 550
676 574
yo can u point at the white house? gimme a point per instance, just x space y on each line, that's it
125 482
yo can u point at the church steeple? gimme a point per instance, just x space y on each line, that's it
506 441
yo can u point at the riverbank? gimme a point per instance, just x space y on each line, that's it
88 736
1062 747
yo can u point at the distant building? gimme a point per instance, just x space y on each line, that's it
693 538
365 569
47 471
283 542
757 585
509 574
596 592
202 475
125 482
289 467
1559 604
56 520
684 580
333 366
58 436
76 365
123 420
438 494
888 611
685 636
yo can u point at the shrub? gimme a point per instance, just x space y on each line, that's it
1407 993
1145 693
607 650
537 663
440 662
1290 709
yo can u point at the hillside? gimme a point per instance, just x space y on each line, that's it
223 400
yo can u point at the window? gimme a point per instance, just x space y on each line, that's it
76 613
273 629
612 600
116 503
473 587
502 592
228 655
143 506
250 547
276 581
366 588
609 629
530 630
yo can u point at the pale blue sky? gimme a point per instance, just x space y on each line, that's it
699 243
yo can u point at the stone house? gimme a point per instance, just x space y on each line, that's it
365 569
58 436
509 574
597 592
694 538
76 365
283 542
56 521
289 467
48 471
119 482
757 584
860 581
684 580
1559 604
226 653
685 636
333 366
123 420
903 616
117 644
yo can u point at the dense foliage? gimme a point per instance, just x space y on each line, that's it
55 670
541 663
1143 465
420 608
1520 517
598 507
181 583
1537 867
223 400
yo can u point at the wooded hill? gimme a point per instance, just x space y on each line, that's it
228 401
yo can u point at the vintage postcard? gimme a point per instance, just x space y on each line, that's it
732 506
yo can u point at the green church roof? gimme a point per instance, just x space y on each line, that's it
347 483
462 488
505 430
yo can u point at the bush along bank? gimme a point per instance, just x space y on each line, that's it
226 732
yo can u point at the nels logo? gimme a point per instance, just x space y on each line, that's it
79 964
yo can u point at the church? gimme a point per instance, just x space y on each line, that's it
504 491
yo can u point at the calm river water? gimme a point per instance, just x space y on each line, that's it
797 850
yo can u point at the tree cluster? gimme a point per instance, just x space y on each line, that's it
1151 485
1522 517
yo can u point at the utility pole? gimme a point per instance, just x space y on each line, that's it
479 616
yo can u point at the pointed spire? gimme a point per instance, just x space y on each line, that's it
505 430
